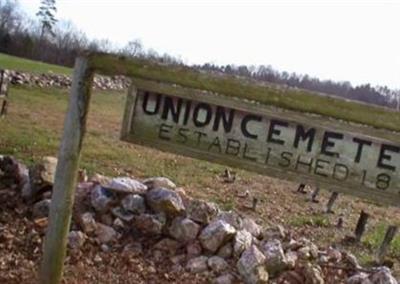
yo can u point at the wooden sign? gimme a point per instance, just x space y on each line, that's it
274 130
284 144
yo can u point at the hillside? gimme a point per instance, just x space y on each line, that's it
32 130
26 65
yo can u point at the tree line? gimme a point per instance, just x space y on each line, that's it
59 42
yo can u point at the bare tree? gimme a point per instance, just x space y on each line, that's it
134 48
47 18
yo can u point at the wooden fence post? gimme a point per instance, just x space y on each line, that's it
301 188
389 236
3 92
361 224
331 201
314 195
66 174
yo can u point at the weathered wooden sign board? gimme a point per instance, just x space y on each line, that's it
284 144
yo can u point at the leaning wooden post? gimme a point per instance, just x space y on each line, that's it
3 93
314 195
389 236
361 225
331 201
66 174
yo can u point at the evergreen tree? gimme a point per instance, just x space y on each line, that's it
46 15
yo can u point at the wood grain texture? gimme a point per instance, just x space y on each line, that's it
346 158
66 174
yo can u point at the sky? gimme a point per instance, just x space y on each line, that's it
353 40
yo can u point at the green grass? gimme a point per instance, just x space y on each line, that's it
314 221
374 239
298 100
21 64
33 127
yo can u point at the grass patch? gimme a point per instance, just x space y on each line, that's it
21 64
374 239
33 127
314 221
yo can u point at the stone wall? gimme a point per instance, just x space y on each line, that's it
115 83
195 235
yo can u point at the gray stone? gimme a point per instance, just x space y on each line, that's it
42 176
167 245
242 241
275 232
122 214
184 229
252 227
291 259
118 224
76 239
134 203
251 266
304 253
41 209
87 222
383 276
232 218
101 199
149 224
224 279
194 249
157 182
12 173
201 211
226 250
217 264
197 265
313 274
350 260
105 234
126 185
359 278
100 179
216 234
274 257
166 201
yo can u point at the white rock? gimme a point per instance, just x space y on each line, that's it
166 201
184 229
126 185
359 278
134 203
216 234
88 222
226 250
274 256
252 227
76 239
224 279
241 242
217 264
105 234
201 211
251 266
197 265
101 199
156 182
232 218
383 276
